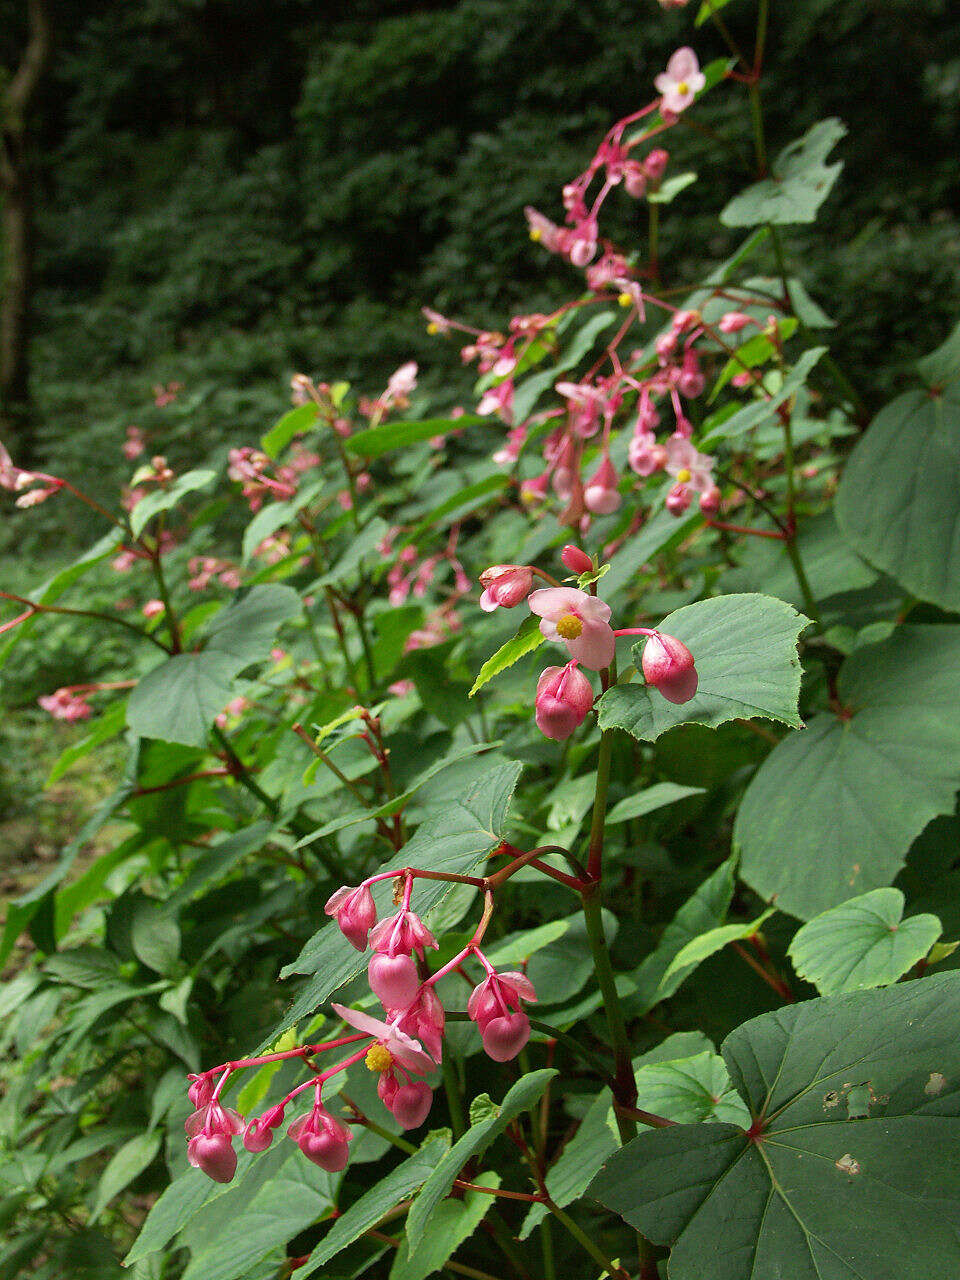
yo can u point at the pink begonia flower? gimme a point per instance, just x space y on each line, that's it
542 230
535 490
134 444
393 980
655 163
681 82
402 381
583 242
577 620
498 399
321 1138
401 934
690 382
710 501
355 913
403 1049
504 1033
211 1129
600 493
584 404
687 465
258 1134
63 704
424 1020
563 701
436 323
668 665
678 499
644 455
505 586
153 608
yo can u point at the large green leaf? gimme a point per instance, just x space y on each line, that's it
456 840
862 943
691 1090
650 799
800 182
178 700
708 944
745 650
127 1163
817 1195
528 638
373 442
899 500
832 811
478 1137
383 1196
763 408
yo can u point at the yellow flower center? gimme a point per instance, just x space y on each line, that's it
683 87
433 327
683 475
625 300
379 1058
536 233
569 627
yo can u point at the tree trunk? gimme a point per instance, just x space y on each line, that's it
17 224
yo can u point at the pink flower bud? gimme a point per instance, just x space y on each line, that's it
355 913
710 501
411 1103
213 1154
200 1091
575 560
563 701
259 1132
322 1139
634 178
393 980
678 499
600 495
733 322
668 665
424 1020
504 1037
665 345
655 163
691 381
505 586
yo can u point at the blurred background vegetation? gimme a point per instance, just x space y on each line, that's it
227 191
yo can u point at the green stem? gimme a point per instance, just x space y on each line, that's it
546 1244
169 616
625 1088
583 1239
756 117
595 858
763 15
809 601
451 1088
654 240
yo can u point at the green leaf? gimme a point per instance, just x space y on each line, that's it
800 182
706 9
218 860
849 794
899 500
154 936
376 441
745 650
862 943
177 1204
762 409
297 420
108 725
528 1090
527 639
380 1199
178 700
816 1195
518 948
364 545
453 1222
707 944
126 1164
692 1090
662 532
163 499
943 365
705 910
456 840
669 190
649 799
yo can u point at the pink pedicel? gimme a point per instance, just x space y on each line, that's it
668 665
577 620
563 701
354 912
505 586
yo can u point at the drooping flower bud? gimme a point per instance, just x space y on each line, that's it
393 980
322 1139
710 501
213 1154
668 665
600 494
504 1037
411 1103
355 913
655 163
259 1132
495 1006
733 322
678 499
575 560
563 701
424 1020
505 586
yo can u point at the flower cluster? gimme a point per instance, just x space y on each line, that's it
580 621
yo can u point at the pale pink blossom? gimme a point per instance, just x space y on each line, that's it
542 229
64 704
355 913
644 455
404 1050
655 164
153 609
424 1020
681 82
577 620
401 383
687 465
734 321
496 1007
